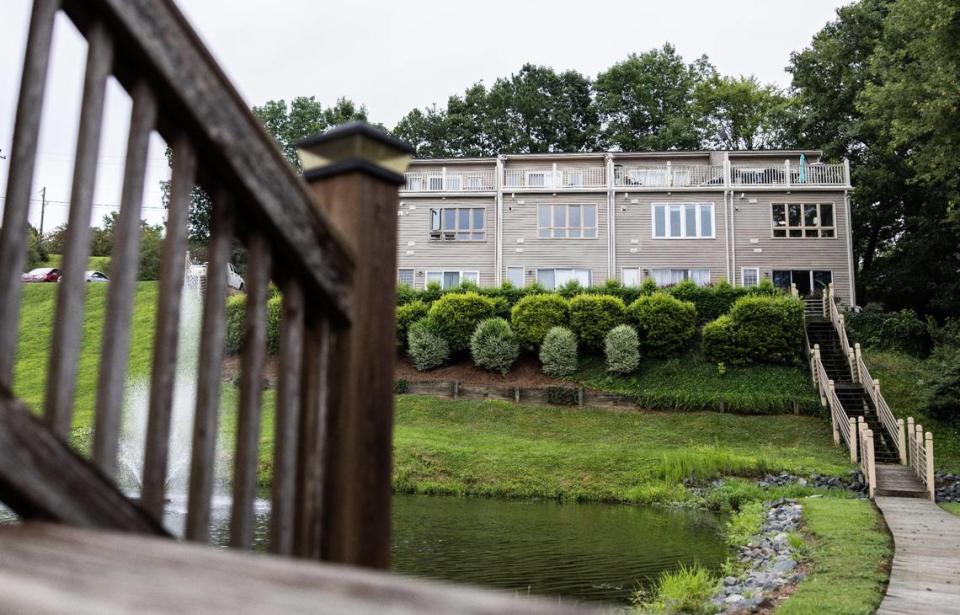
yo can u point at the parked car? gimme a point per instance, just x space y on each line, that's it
44 274
234 280
96 276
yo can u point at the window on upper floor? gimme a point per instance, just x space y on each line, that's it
683 221
567 221
803 220
458 223
670 277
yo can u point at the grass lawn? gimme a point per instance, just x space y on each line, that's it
691 382
36 330
94 263
952 508
904 381
850 554
500 449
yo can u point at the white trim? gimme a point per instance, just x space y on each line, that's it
623 277
442 272
566 218
443 231
413 276
523 273
686 270
589 271
683 219
743 277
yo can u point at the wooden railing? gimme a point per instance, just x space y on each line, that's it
331 447
843 426
868 463
920 447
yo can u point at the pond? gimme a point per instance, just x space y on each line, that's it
578 552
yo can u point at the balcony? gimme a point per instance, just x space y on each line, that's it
667 176
443 180
555 177
789 175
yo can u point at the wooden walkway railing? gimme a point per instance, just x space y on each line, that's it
914 446
331 466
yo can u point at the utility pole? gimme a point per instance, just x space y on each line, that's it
43 207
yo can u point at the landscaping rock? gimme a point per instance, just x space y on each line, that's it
947 487
770 559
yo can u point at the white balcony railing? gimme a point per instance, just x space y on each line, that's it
663 176
817 174
445 180
555 177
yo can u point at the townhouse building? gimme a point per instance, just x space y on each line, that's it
707 216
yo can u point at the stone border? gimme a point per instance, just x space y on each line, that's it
455 389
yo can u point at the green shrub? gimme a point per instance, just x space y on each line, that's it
684 591
563 396
534 315
407 314
426 346
745 524
558 353
944 403
274 315
718 342
401 386
456 315
405 294
593 316
622 350
710 301
901 331
664 323
767 329
235 310
494 346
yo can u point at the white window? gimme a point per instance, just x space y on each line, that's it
552 279
458 223
683 220
567 221
631 276
452 279
803 220
750 276
405 276
515 276
670 277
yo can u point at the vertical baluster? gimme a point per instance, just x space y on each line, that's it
124 263
209 365
67 325
167 329
23 156
287 420
251 392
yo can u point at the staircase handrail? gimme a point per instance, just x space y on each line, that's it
840 327
921 456
868 463
843 426
891 424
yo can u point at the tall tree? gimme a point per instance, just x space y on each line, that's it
646 102
426 131
739 113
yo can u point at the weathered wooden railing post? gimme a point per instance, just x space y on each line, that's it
931 477
902 442
908 443
854 435
354 172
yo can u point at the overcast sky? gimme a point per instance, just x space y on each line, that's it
391 56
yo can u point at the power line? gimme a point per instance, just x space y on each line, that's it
101 205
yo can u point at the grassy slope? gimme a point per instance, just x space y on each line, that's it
849 552
94 263
692 382
499 449
952 507
36 329
903 381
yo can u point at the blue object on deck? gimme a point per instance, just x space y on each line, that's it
803 169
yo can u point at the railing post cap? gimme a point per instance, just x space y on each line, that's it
356 146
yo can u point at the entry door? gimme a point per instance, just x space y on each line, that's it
804 282
810 283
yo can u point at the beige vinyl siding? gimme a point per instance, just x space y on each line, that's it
437 255
636 246
754 222
520 222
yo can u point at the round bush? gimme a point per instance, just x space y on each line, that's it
558 353
534 315
407 314
664 323
494 346
718 342
236 308
710 301
768 329
427 348
593 316
456 316
274 315
622 349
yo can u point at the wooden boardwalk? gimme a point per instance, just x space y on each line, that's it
925 577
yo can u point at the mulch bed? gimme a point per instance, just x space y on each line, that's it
525 373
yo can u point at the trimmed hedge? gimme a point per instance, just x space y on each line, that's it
494 346
407 314
426 346
593 316
665 324
759 329
534 315
622 350
457 315
558 353
236 309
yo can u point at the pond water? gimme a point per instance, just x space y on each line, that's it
578 552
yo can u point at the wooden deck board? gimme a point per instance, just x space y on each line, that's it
47 568
925 576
